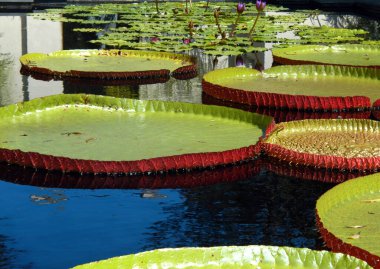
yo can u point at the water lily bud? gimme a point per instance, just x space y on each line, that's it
216 13
186 41
260 5
259 66
154 39
239 61
240 8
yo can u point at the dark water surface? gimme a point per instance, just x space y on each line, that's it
45 224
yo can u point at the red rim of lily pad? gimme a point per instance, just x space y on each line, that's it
284 101
181 162
164 77
187 71
52 179
291 156
303 172
283 115
337 245
376 110
336 196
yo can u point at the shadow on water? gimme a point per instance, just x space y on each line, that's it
8 255
266 209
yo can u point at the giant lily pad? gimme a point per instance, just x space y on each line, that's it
342 144
348 54
264 257
109 64
302 87
97 134
348 218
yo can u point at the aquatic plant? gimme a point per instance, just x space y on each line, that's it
347 218
260 6
342 144
297 87
232 257
98 151
240 8
134 24
216 16
239 61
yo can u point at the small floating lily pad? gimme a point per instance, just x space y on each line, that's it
97 134
348 54
348 218
300 87
109 64
264 257
352 144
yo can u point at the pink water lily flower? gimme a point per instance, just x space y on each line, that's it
240 8
260 5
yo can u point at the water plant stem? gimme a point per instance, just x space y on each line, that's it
254 25
216 15
156 6
234 25
219 28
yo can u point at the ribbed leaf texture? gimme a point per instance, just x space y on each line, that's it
232 257
281 115
292 142
47 179
302 172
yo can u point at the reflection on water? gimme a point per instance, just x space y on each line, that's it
264 209
8 255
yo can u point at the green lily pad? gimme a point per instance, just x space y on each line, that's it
342 144
86 133
311 87
108 64
348 54
348 218
264 257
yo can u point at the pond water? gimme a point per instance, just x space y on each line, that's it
55 221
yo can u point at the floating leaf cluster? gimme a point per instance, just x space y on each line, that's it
135 25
